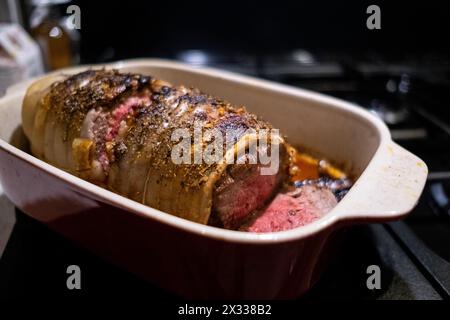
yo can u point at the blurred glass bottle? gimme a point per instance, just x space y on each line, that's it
49 27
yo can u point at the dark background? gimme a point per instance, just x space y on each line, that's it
117 29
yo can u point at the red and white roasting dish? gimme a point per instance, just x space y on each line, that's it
201 261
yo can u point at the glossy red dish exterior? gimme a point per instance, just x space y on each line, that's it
188 264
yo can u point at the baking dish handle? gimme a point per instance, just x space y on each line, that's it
388 189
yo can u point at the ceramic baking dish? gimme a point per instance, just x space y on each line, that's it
200 261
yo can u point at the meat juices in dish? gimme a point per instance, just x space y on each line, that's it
115 130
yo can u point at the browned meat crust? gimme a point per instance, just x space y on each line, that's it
136 161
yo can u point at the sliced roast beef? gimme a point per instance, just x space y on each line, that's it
241 190
116 129
292 209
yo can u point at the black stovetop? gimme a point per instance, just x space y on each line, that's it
411 93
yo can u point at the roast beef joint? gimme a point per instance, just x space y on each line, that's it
121 131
